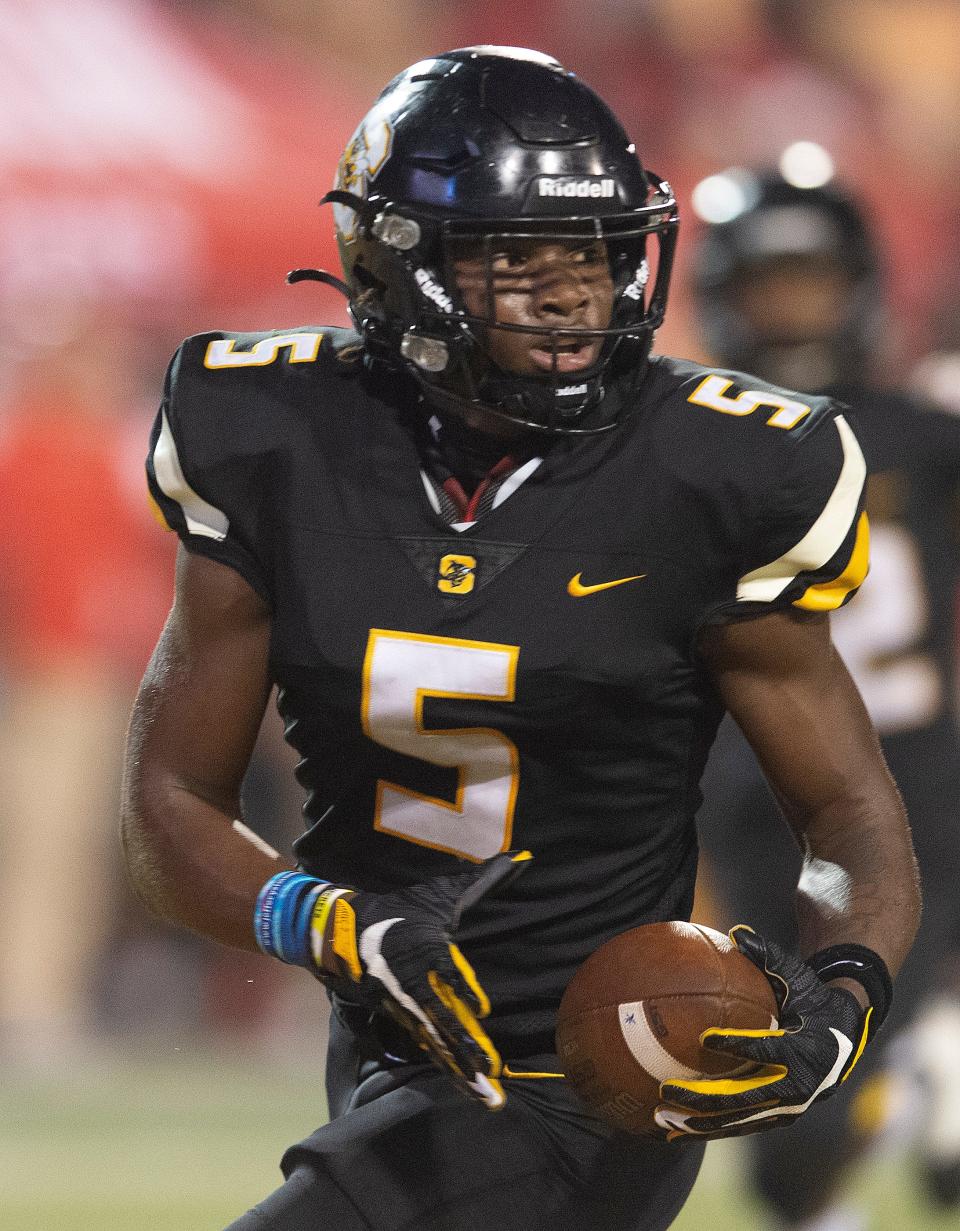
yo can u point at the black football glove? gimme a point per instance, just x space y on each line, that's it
821 1035
393 951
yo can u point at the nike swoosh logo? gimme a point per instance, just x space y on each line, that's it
576 589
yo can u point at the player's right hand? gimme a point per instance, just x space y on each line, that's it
821 1036
394 951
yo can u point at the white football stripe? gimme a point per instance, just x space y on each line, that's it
646 1048
201 517
431 494
824 538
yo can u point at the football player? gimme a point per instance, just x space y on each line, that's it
789 284
508 569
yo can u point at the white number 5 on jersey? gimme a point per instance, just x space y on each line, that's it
400 671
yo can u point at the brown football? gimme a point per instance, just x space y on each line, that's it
634 1012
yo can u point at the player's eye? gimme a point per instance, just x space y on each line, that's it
508 261
592 254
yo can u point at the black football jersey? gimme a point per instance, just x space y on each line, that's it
531 680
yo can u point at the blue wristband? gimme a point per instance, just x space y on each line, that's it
281 920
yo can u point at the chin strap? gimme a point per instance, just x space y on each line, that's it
319 275
444 401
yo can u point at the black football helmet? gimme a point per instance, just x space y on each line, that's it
767 220
470 150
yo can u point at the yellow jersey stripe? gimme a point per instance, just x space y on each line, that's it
158 514
828 595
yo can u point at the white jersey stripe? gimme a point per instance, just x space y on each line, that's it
201 517
824 538
513 481
431 494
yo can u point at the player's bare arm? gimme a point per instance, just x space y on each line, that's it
191 736
789 691
858 898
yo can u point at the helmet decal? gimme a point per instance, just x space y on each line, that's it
635 289
432 290
363 160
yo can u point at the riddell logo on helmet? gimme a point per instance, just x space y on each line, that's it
433 290
566 186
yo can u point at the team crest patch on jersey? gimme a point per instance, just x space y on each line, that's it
457 574
362 162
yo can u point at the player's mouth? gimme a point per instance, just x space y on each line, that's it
572 354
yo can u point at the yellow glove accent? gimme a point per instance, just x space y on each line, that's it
860 1046
470 978
343 941
732 1085
466 1017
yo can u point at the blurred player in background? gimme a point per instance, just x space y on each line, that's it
789 286
506 569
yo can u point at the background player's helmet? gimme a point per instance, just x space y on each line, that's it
476 147
757 220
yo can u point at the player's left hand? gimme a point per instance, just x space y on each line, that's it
820 1037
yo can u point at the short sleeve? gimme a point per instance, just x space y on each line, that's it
812 536
203 477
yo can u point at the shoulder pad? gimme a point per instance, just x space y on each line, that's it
230 403
781 471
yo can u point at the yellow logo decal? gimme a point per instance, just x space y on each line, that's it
457 574
576 589
362 162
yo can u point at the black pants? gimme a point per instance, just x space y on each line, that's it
405 1151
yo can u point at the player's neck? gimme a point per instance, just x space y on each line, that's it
471 454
